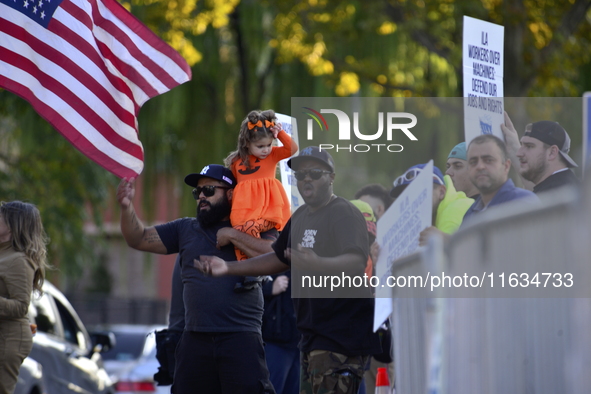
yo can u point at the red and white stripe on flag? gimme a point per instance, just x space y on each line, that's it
87 66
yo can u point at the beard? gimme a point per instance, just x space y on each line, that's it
215 214
535 171
490 184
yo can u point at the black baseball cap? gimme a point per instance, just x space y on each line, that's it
213 171
312 152
551 133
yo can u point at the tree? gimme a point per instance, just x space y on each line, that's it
414 48
258 54
37 165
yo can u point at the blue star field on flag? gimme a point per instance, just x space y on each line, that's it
41 11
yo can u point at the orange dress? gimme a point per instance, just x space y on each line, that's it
258 193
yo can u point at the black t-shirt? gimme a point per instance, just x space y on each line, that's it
211 305
341 325
176 316
556 180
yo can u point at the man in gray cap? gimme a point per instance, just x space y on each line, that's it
543 155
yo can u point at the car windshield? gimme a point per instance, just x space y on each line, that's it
129 346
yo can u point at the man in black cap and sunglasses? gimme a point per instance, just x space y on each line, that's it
221 350
326 235
542 157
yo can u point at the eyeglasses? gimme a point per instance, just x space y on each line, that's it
410 175
314 174
208 190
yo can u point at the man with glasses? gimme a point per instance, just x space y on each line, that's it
221 349
449 205
327 235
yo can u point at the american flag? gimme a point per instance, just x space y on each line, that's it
87 66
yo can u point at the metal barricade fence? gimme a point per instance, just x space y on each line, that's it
486 345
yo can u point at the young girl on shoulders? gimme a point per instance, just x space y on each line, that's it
259 202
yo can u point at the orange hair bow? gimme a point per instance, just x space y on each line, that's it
251 125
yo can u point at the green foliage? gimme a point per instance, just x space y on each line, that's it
39 166
259 54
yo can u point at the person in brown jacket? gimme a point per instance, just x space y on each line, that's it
22 270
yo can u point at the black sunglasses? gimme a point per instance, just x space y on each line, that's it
208 190
315 174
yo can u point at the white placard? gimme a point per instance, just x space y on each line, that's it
398 234
483 78
289 183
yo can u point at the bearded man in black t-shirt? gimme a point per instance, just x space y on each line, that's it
330 238
221 349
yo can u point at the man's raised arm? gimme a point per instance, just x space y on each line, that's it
135 233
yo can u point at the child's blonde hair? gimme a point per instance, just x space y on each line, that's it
253 128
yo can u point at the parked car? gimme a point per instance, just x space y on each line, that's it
71 361
30 378
132 362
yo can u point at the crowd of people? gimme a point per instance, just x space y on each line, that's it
313 345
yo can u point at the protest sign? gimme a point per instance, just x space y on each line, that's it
398 234
287 179
483 78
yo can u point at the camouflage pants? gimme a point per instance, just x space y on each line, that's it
324 372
